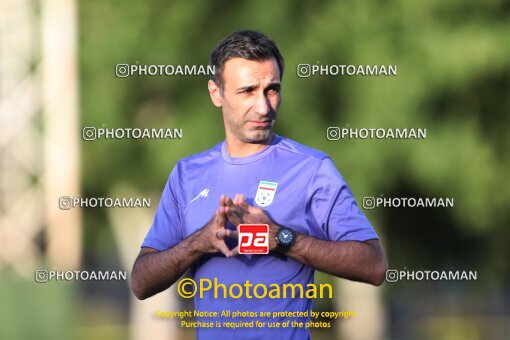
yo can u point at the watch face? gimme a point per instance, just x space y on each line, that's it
285 237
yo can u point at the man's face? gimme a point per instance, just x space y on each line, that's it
250 99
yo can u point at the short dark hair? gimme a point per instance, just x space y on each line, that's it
246 44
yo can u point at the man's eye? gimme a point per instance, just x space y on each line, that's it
273 91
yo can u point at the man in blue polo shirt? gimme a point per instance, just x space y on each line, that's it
255 177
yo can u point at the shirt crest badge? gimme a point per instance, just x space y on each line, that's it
265 193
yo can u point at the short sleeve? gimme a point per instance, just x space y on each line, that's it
332 210
165 231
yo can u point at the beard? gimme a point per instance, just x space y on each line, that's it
259 136
250 134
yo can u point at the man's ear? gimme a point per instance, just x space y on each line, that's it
215 93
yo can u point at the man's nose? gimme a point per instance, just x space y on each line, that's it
262 105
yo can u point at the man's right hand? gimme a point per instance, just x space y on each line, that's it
155 271
212 236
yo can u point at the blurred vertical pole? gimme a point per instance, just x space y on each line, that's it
21 208
61 123
365 300
130 227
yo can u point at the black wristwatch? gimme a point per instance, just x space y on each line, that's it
285 238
